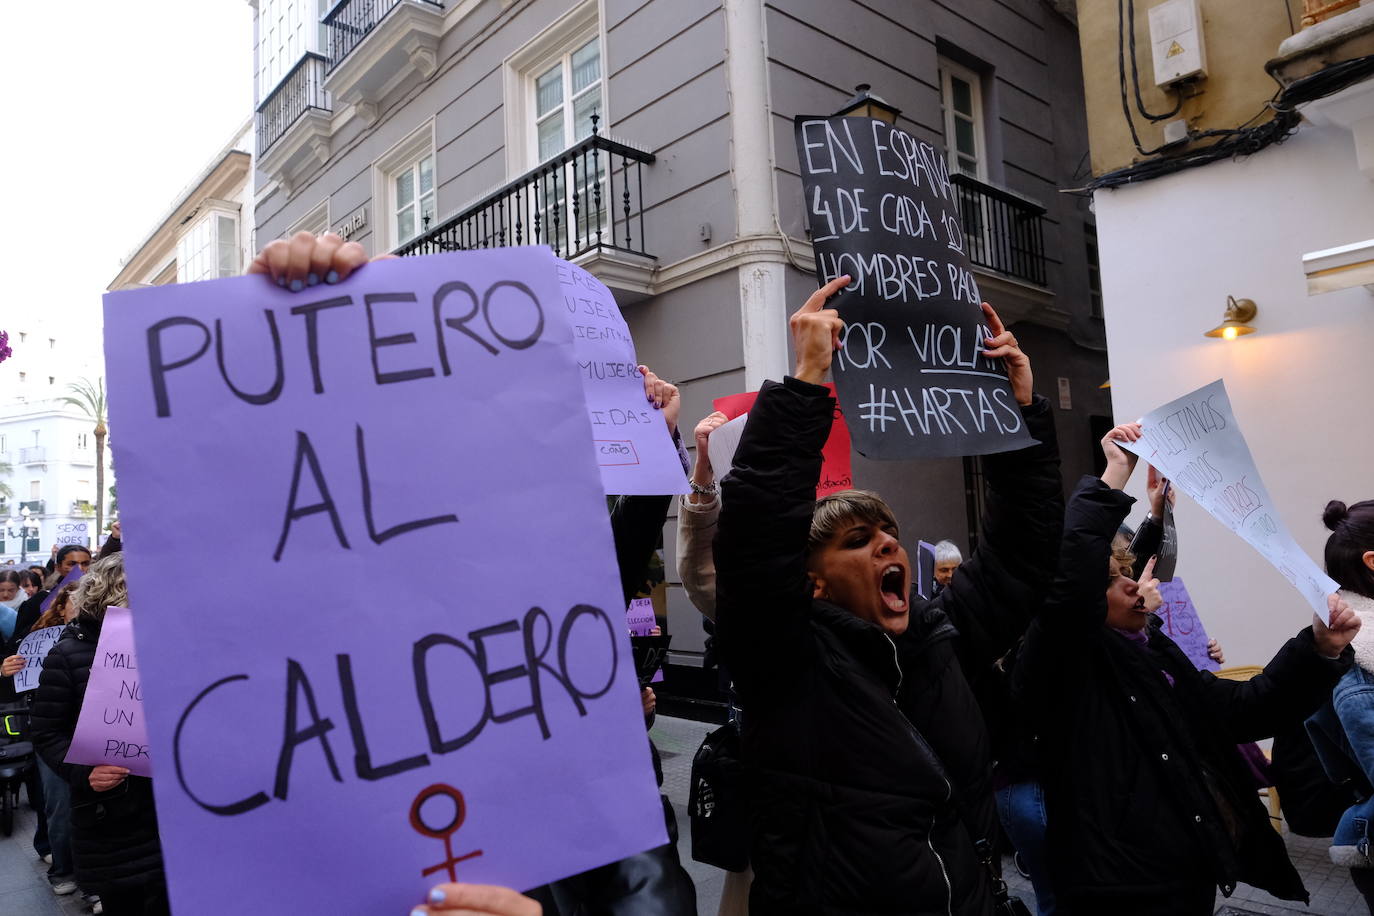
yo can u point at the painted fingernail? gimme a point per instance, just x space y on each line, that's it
332 277
419 911
281 281
297 285
313 279
437 895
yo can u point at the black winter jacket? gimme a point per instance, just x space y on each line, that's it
114 834
952 641
852 809
1147 795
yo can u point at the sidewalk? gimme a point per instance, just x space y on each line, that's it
24 889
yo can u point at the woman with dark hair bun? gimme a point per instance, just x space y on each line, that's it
1343 732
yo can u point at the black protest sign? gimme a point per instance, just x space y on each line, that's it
911 377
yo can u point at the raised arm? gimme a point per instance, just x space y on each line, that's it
637 521
697 515
1150 535
763 593
996 591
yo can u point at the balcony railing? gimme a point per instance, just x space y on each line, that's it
35 506
350 21
589 198
34 454
300 91
1003 232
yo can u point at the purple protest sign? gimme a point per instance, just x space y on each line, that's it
345 756
640 617
72 575
1182 624
111 728
634 451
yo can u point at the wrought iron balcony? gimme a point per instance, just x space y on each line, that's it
34 454
350 21
588 198
300 91
1003 232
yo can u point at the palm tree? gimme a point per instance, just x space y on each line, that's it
90 399
6 494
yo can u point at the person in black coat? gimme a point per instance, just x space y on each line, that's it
853 809
114 823
1150 805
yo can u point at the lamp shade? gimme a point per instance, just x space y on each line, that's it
1236 321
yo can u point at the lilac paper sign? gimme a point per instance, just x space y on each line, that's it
72 575
33 650
428 407
111 728
642 621
632 445
1182 624
641 617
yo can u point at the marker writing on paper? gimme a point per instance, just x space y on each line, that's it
545 675
446 832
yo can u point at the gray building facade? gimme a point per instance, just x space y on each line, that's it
415 126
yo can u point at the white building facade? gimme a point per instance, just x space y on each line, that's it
48 446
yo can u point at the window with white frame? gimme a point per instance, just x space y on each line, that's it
82 442
209 249
567 92
405 190
961 96
412 197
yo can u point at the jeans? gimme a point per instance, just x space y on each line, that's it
33 784
57 800
1021 808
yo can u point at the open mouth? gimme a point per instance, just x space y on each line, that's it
893 587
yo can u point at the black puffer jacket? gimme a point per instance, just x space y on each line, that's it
114 834
1147 794
852 811
953 640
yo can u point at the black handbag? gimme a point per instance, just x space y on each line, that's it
1004 904
716 802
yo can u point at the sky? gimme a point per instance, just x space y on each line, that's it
114 108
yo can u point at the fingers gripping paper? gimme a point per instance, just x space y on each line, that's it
480 723
1197 443
910 372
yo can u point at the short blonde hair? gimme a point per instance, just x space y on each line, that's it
1123 559
835 511
102 586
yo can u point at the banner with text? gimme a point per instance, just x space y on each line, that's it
33 649
1181 623
634 450
837 465
910 371
110 729
427 407
1196 442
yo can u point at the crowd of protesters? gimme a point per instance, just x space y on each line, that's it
891 744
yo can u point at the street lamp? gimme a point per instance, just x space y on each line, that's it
26 529
866 105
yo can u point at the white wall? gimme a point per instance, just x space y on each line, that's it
1172 250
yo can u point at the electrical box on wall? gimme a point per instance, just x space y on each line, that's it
1176 37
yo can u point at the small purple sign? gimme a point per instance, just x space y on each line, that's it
640 617
111 729
1182 624
34 648
75 573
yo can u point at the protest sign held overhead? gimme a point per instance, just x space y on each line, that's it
111 729
33 650
633 448
1196 442
426 408
910 371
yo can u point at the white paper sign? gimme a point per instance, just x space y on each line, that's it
1196 442
34 649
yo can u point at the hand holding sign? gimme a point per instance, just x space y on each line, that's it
1332 638
305 260
478 900
1120 462
1004 346
816 332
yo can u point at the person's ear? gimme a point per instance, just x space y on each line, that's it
1369 559
818 587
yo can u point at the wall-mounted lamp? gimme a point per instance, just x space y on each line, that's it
1239 312
864 105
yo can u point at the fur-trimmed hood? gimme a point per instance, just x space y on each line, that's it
1363 644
